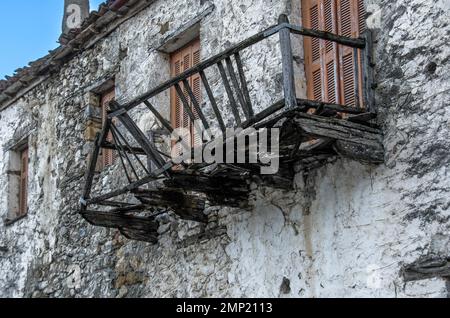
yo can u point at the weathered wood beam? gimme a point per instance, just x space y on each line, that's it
352 140
187 206
116 204
143 236
305 104
137 150
119 220
128 146
161 119
237 87
287 64
184 101
123 154
362 118
140 137
427 268
264 114
230 94
195 103
359 43
213 101
89 177
243 80
338 129
152 177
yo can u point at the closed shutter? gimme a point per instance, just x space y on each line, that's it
195 83
23 191
330 67
181 61
321 56
109 156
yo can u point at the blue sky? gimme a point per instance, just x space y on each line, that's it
28 30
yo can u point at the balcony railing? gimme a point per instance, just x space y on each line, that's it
153 180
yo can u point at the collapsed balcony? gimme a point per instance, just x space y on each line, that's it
311 133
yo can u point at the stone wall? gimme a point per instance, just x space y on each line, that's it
346 230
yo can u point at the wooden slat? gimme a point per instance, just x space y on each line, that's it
230 94
132 150
184 101
89 177
118 220
123 154
195 103
161 119
152 177
237 87
213 101
140 138
243 80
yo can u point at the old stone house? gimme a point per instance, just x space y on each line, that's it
360 206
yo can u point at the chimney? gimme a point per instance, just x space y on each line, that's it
75 11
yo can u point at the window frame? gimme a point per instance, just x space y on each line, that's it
108 157
18 183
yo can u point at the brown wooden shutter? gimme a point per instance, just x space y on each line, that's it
181 61
195 82
108 155
330 67
23 191
321 56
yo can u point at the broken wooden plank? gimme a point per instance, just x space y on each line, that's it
362 118
353 140
187 206
143 236
339 129
119 220
360 152
137 150
427 268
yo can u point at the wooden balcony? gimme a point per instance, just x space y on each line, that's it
311 134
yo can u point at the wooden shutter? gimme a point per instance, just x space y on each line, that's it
330 67
23 191
195 82
181 61
108 155
321 56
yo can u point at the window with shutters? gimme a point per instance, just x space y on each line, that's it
17 183
108 155
330 68
180 61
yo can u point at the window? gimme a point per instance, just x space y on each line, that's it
23 188
108 155
330 68
180 61
17 175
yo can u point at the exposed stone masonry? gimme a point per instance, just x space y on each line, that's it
346 229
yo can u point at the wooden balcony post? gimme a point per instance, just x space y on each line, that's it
288 64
